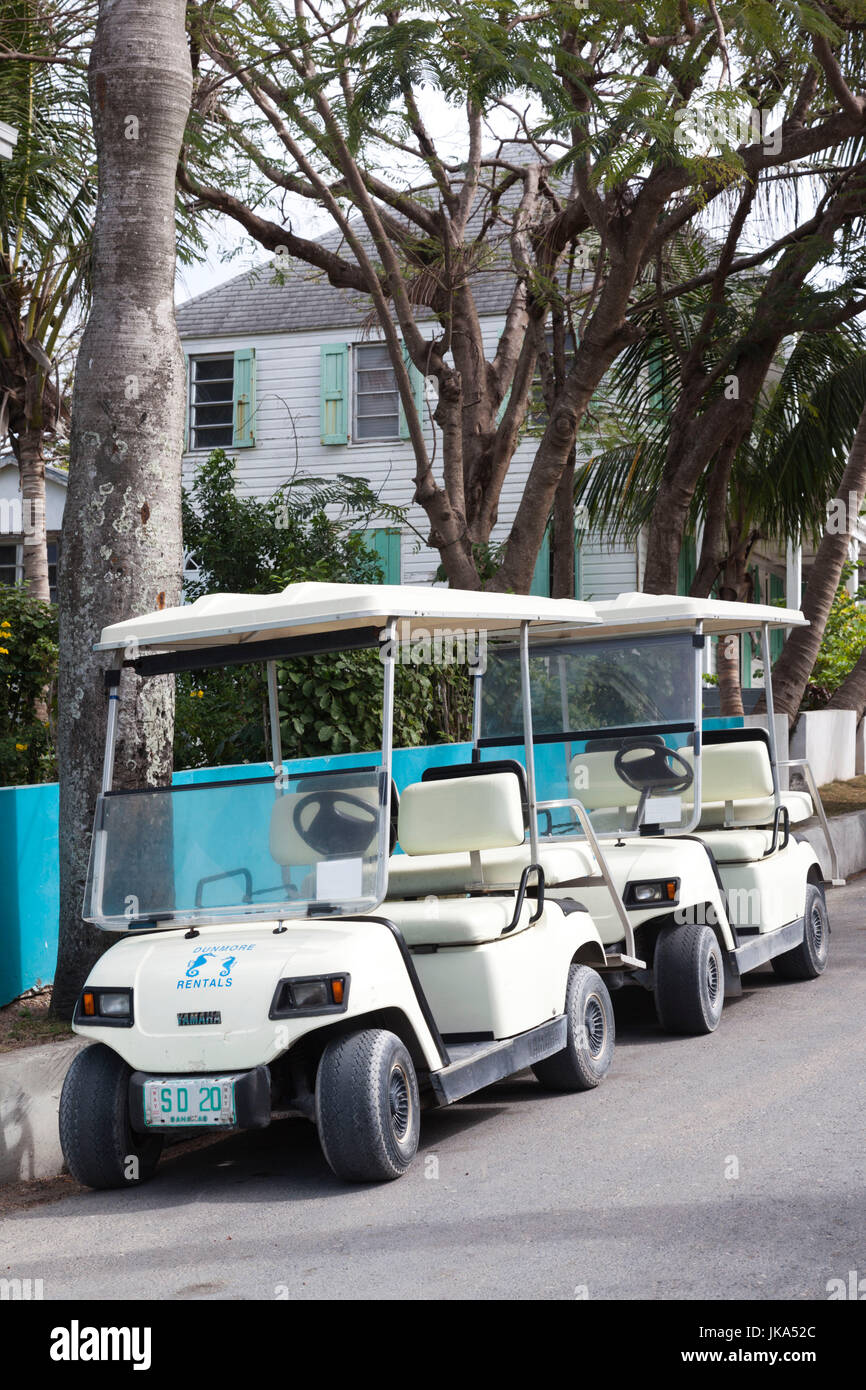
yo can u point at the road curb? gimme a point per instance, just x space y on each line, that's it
849 838
31 1079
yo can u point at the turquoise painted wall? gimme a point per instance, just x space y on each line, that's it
28 846
29 900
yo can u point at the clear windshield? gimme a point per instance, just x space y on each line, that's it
292 846
613 724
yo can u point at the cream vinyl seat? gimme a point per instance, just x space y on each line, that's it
462 834
736 794
444 824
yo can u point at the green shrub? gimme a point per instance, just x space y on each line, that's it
328 704
843 641
28 673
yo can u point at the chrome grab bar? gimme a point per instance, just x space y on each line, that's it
835 879
589 832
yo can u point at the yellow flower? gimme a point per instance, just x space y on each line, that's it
21 747
4 651
200 694
6 624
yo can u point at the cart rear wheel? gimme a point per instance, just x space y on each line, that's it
689 979
368 1110
99 1145
588 1051
808 960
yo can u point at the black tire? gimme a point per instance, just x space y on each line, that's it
689 974
585 1060
98 1142
808 960
368 1110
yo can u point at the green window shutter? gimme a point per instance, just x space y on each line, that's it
334 390
687 565
244 399
187 394
540 585
385 541
655 381
417 381
503 407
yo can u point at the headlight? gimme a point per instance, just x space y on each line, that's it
115 1004
652 892
311 994
110 1007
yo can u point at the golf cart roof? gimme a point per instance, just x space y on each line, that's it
630 614
303 610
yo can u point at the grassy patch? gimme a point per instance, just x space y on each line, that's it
26 1022
842 797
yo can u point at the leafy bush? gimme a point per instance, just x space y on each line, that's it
328 704
28 671
843 641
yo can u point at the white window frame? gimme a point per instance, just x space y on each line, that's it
192 447
19 562
354 394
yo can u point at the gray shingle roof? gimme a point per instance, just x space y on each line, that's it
255 301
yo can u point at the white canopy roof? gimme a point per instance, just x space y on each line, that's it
302 609
645 613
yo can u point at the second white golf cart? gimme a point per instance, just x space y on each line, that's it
703 853
261 971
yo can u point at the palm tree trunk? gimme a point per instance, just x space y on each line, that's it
794 667
734 588
31 466
851 694
728 672
121 552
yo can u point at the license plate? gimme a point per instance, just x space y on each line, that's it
189 1100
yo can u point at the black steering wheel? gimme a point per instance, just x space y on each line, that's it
646 767
330 830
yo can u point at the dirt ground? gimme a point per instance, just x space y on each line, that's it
841 797
25 1021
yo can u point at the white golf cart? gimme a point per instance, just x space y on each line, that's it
713 878
259 972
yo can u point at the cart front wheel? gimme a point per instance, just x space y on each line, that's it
588 1052
99 1145
689 979
368 1110
808 960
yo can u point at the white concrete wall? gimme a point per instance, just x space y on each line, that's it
287 404
826 739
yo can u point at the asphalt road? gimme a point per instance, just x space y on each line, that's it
724 1167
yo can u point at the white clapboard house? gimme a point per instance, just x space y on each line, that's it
290 369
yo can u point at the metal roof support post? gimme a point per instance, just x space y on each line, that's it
112 685
476 716
768 698
274 711
700 644
526 690
388 656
